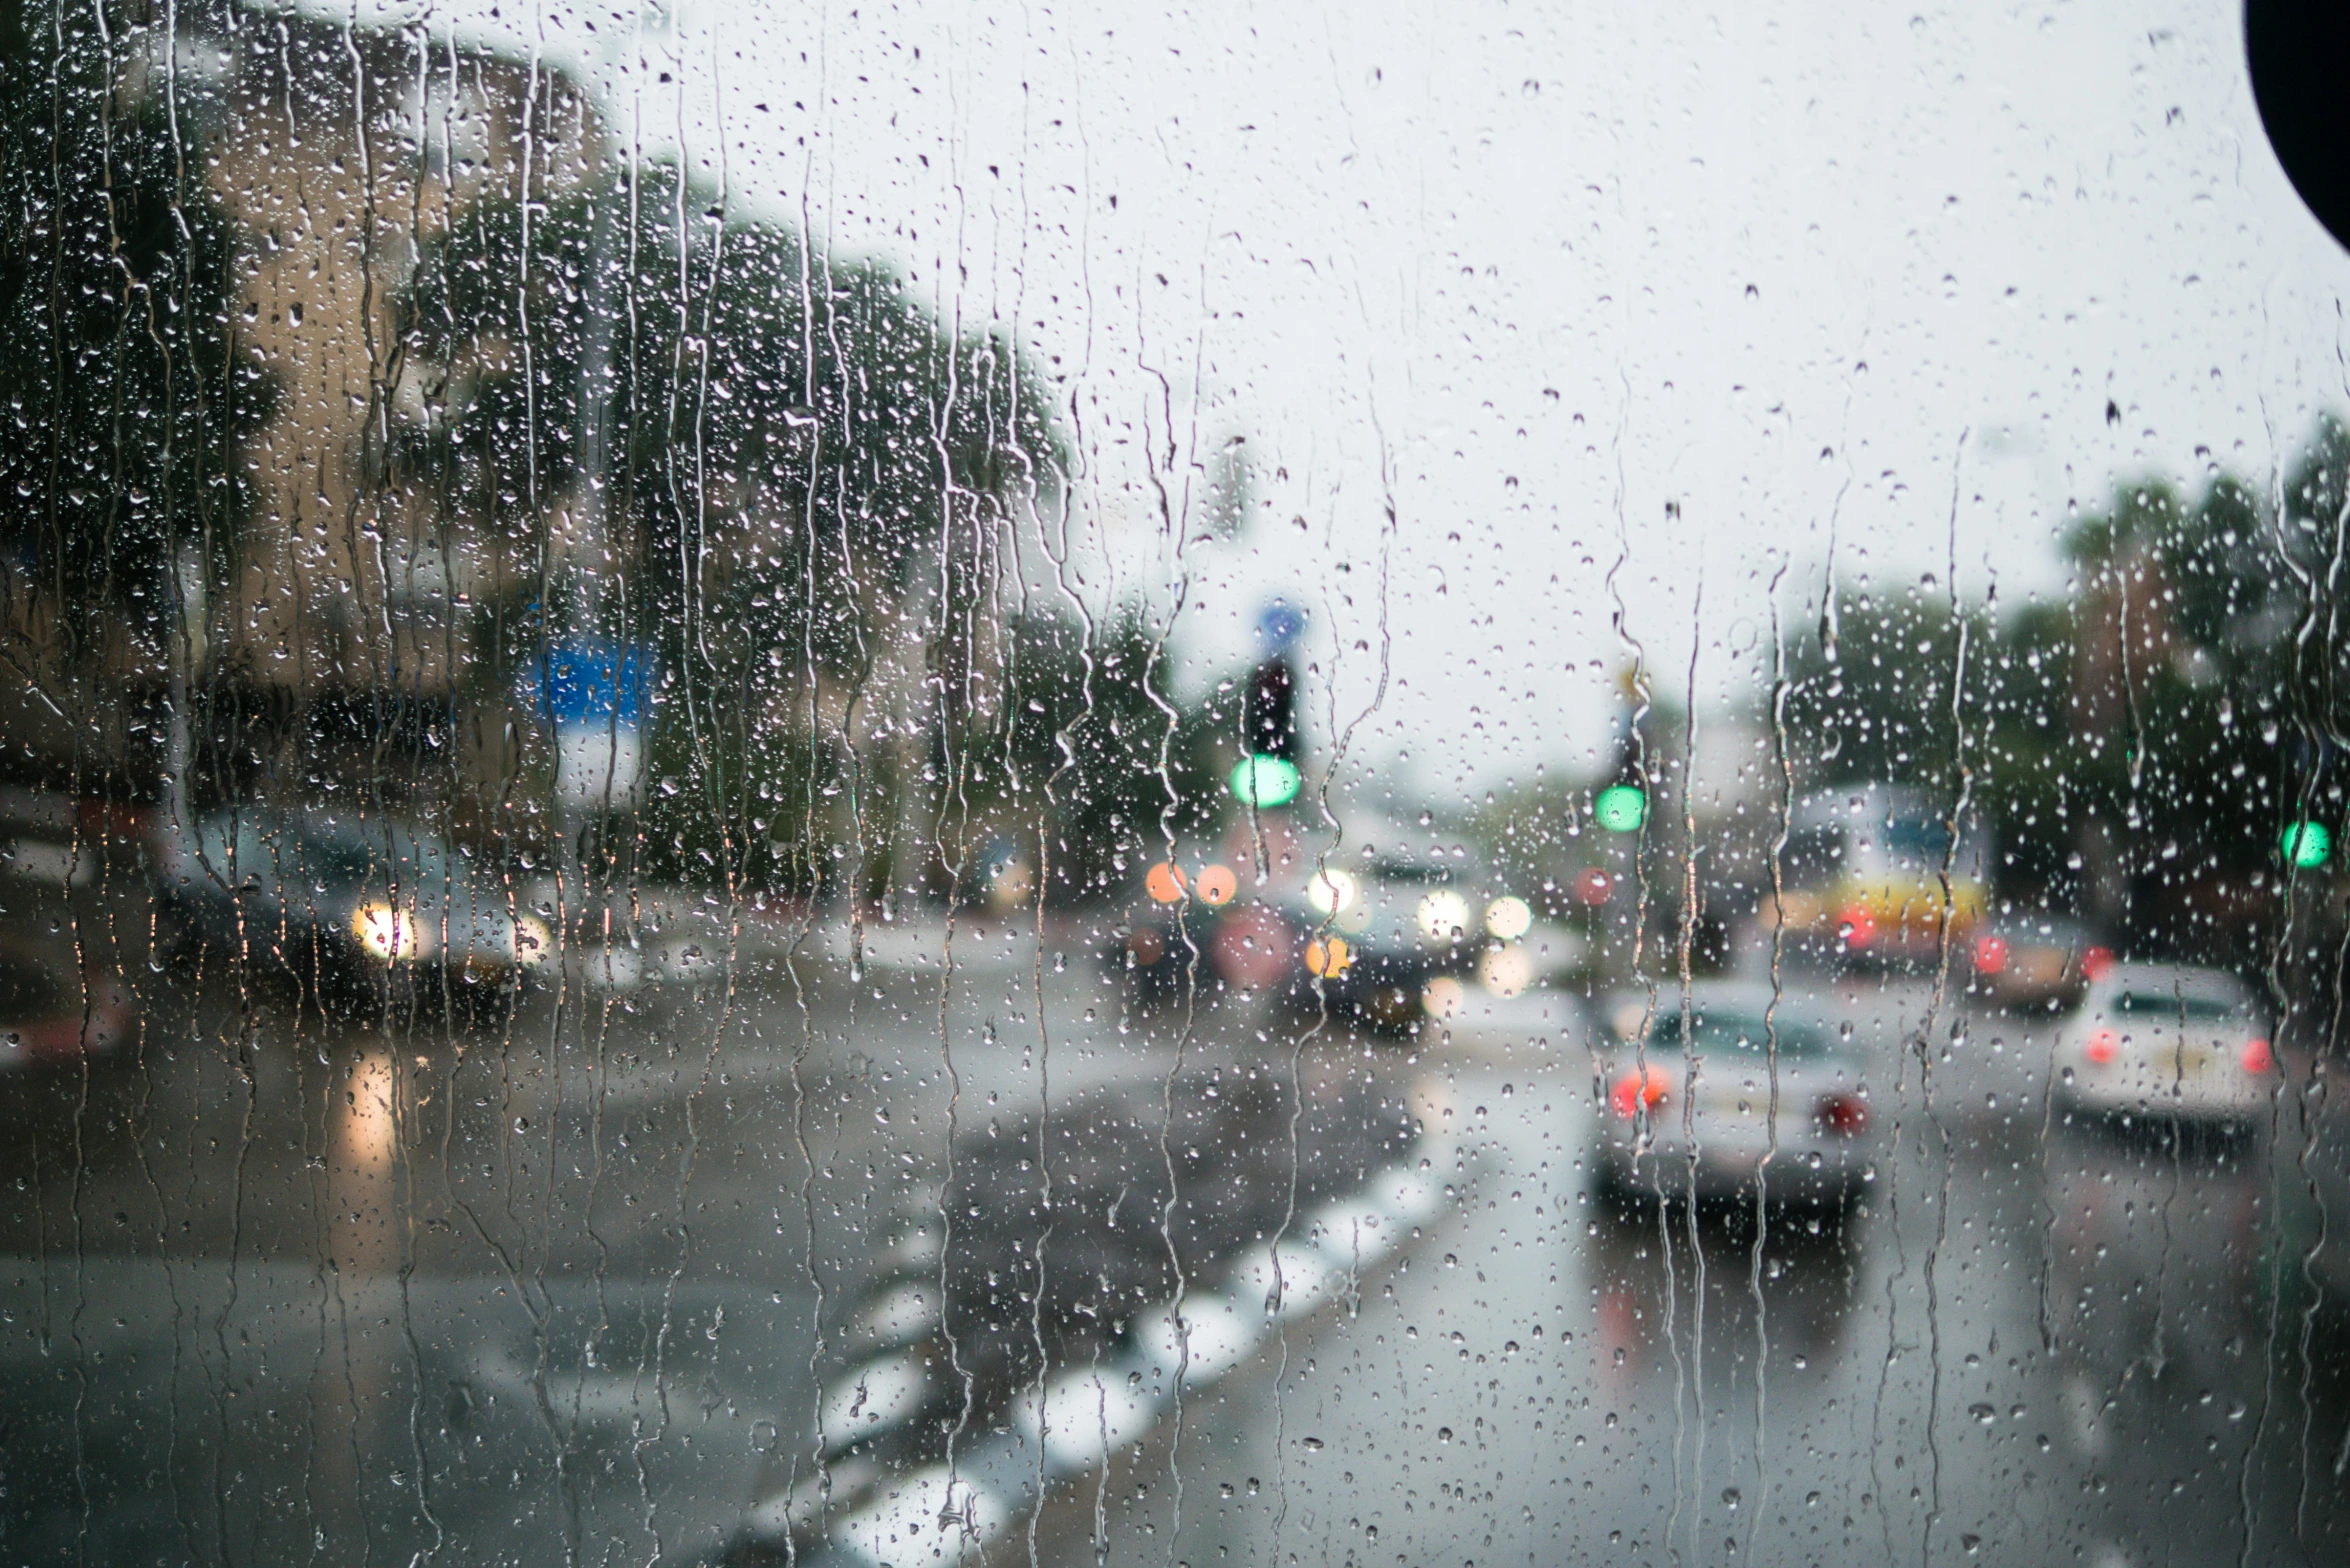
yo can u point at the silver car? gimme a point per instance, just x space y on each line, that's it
1662 1105
370 910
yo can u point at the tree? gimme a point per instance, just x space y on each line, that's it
2140 744
779 471
122 385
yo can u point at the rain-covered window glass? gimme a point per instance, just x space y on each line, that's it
1270 784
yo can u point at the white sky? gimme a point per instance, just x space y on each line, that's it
1533 273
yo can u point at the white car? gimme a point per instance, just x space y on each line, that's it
1644 1140
2164 1040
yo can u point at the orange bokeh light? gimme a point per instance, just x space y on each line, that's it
1328 958
1164 883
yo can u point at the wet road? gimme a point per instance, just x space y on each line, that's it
2033 1342
630 1276
577 1285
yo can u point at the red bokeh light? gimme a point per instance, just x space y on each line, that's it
1639 1087
1842 1113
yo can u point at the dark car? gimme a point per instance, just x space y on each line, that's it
1371 943
365 910
1366 944
1193 932
2036 962
55 1009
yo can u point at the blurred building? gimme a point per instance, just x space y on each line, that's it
336 630
344 153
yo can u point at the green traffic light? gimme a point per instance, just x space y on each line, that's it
2306 845
1621 808
1264 781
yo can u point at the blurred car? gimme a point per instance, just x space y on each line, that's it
54 1009
1167 946
1376 945
1381 945
2035 961
351 905
1822 1153
2169 1041
1874 880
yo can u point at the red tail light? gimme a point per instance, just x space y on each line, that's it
2103 1046
2257 1057
1841 1113
1990 955
2095 962
1856 926
1638 1088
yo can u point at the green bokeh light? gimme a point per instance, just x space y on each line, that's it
2306 845
1264 780
1621 808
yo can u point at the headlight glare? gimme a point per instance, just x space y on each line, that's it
1444 916
1330 890
392 935
532 944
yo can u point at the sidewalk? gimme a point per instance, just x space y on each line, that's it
674 934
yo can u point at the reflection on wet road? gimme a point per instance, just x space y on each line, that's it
662 1274
2023 1345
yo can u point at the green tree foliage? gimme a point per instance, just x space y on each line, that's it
2158 724
821 505
778 442
121 382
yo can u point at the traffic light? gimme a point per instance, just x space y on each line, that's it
1270 724
1621 808
1266 781
1268 773
2306 845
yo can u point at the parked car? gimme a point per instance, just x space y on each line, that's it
1646 1130
2167 1041
367 910
55 1009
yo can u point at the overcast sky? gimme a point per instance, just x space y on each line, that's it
1503 297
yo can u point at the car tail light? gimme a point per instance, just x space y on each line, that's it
2103 1046
2257 1057
1841 1113
1990 955
1856 926
2095 962
1641 1086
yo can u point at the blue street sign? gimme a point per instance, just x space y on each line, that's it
1280 625
589 683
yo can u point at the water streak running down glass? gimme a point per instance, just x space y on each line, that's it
963 785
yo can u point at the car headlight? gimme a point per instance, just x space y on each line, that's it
1506 971
532 944
392 935
1330 890
1444 916
1508 918
1443 997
